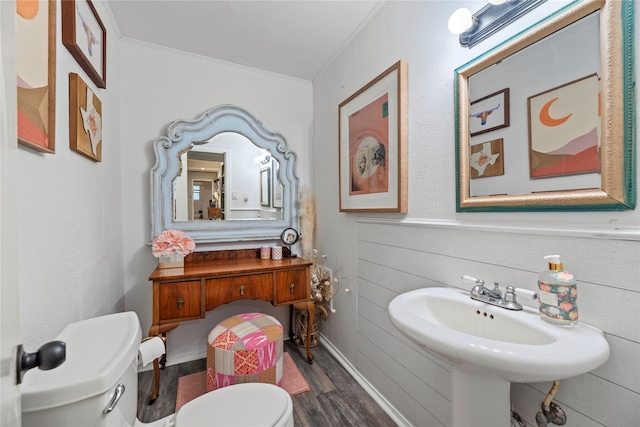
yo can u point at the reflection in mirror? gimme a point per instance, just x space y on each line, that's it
542 122
228 178
197 194
223 177
545 162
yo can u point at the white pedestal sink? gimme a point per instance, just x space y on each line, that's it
489 347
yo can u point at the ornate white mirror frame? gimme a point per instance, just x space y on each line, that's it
181 136
617 142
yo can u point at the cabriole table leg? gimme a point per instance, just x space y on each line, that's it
154 331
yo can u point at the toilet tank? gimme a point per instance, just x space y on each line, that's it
101 354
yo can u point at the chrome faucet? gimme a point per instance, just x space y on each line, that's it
494 296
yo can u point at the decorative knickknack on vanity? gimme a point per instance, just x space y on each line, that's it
170 247
325 285
173 261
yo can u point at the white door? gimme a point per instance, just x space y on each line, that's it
9 330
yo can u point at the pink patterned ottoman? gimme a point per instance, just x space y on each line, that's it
246 348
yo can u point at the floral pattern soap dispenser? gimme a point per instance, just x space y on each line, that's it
558 293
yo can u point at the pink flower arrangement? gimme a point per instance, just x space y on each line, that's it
170 242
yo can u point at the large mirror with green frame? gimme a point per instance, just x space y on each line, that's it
545 121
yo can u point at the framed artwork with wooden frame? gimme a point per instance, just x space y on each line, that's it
36 74
85 119
564 125
85 37
373 145
489 113
486 159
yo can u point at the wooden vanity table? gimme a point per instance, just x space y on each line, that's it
210 279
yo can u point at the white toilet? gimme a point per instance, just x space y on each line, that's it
102 357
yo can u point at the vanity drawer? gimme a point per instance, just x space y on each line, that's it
292 285
180 300
227 289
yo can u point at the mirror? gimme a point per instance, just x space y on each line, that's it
227 161
223 177
545 120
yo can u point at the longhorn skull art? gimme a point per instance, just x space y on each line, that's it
484 114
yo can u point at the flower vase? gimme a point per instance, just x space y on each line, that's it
174 261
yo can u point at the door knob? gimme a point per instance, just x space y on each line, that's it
241 287
180 302
49 356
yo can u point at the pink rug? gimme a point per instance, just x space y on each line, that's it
194 385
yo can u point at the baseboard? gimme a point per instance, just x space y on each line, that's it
384 403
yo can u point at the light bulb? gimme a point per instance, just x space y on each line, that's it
497 2
460 21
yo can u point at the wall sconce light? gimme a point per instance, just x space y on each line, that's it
473 28
263 158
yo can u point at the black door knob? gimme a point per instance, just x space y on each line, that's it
49 356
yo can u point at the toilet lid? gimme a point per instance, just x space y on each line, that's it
252 404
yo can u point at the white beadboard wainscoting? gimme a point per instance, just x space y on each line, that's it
399 256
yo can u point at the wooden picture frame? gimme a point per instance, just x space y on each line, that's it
85 37
486 159
564 129
85 119
489 113
373 145
36 74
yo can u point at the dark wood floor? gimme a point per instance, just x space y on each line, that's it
335 399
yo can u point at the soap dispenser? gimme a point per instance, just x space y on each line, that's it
557 294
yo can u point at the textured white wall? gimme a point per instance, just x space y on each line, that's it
162 86
381 260
69 210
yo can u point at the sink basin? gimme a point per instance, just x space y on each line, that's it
489 347
515 345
